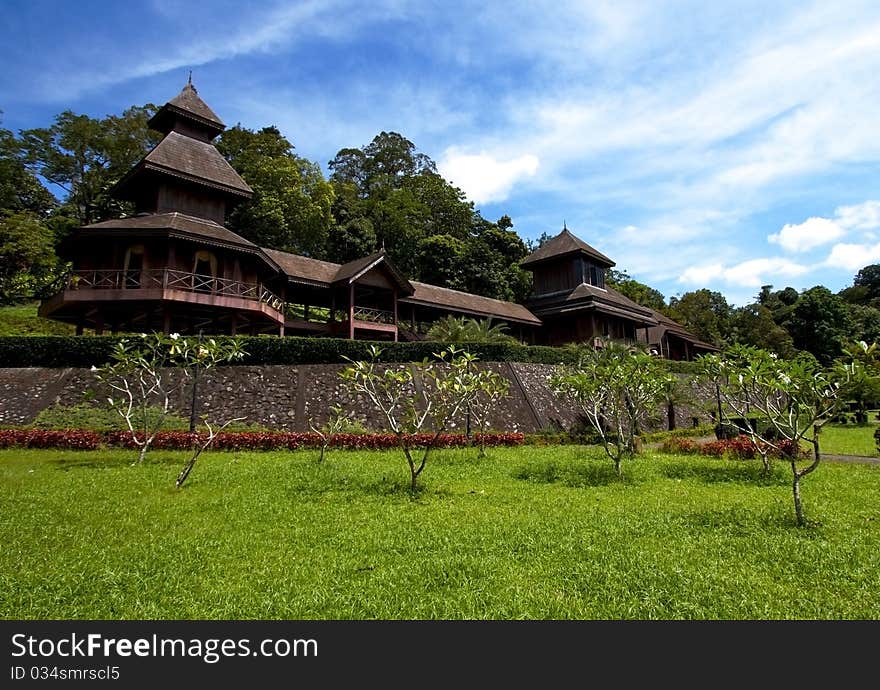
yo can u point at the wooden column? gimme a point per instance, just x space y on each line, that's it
351 312
79 329
166 321
395 315
99 323
233 324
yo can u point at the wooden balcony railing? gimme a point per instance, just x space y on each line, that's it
167 278
373 315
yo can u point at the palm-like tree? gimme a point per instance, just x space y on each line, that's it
456 330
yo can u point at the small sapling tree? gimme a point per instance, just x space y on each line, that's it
201 446
492 388
792 399
336 424
616 389
148 372
446 387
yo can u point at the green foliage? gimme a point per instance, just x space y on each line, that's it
28 264
636 291
685 432
528 533
616 389
97 418
139 377
86 351
20 190
792 398
446 386
458 330
86 156
754 325
388 194
705 313
820 323
22 319
290 209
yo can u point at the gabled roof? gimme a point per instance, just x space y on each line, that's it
302 269
172 224
564 244
355 269
467 303
189 105
586 297
192 160
666 326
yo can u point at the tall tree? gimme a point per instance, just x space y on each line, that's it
291 206
27 257
20 190
753 326
705 313
820 323
86 156
636 291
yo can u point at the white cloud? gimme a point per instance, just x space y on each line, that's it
816 231
751 273
852 257
701 275
812 233
865 216
483 177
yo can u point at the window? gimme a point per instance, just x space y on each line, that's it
134 264
205 270
594 275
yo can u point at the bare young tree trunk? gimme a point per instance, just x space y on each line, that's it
796 492
212 434
797 475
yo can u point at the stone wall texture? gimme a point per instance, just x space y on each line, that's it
288 397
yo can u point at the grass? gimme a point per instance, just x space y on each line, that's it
22 319
849 439
104 418
526 533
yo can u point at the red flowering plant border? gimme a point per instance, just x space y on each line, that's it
740 448
77 439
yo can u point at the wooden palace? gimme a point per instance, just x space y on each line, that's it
173 266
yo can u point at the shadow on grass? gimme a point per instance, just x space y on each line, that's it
575 476
750 472
742 521
75 460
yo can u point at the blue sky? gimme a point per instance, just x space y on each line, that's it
722 145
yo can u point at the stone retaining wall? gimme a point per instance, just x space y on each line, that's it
287 397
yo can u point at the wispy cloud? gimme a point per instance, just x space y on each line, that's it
484 177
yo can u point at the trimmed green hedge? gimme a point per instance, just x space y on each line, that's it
85 351
58 351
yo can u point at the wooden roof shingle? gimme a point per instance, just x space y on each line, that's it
173 223
189 105
467 303
562 245
188 159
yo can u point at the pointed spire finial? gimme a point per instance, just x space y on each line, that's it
564 226
190 80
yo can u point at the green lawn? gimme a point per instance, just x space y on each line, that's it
527 533
22 319
849 439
